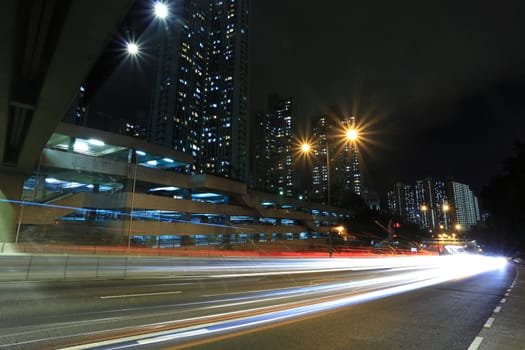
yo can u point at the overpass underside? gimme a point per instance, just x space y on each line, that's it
47 49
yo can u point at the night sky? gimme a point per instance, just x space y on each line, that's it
440 84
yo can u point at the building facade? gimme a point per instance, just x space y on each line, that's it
100 188
435 205
465 204
200 98
343 164
274 147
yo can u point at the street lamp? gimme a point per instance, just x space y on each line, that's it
424 209
351 135
160 10
132 48
445 209
305 148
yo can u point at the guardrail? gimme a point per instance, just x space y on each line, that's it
67 267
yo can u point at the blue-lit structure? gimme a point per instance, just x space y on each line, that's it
92 186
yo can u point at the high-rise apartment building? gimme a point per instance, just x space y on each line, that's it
402 202
262 145
200 99
435 204
466 206
351 170
344 172
274 148
320 170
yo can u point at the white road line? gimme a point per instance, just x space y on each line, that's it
475 343
506 294
509 290
139 295
503 301
489 322
497 309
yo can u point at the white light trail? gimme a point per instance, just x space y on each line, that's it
313 299
139 295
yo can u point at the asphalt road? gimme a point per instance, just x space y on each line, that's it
446 316
271 308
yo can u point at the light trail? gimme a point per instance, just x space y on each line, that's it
139 295
310 300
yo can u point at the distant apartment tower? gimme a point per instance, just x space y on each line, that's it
320 169
200 99
262 145
274 168
402 202
345 175
435 204
466 205
351 170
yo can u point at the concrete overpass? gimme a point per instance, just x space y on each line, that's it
47 49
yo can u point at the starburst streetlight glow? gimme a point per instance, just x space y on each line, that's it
132 48
161 10
305 148
352 134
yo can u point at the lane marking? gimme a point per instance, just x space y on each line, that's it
489 322
475 343
503 301
497 309
139 295
506 294
509 290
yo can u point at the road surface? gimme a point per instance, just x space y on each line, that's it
407 303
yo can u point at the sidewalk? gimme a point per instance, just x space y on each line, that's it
505 329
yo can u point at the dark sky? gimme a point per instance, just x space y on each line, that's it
440 84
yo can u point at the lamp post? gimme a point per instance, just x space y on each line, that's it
161 13
424 222
445 209
351 135
328 199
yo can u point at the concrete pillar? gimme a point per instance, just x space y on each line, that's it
40 187
11 185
